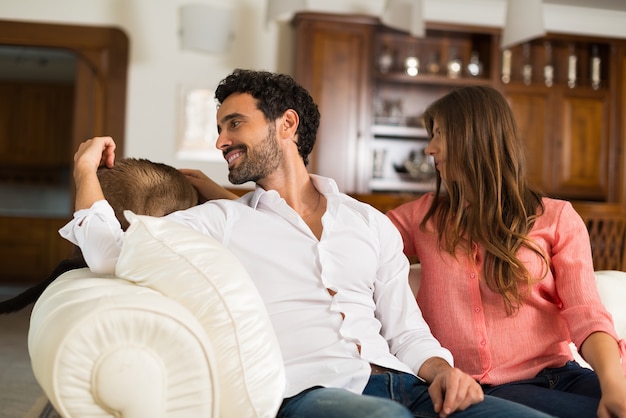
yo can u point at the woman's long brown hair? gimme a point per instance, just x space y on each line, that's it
488 198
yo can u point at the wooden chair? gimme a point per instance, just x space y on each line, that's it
606 223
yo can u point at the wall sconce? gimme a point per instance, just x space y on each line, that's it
524 21
406 15
206 28
283 9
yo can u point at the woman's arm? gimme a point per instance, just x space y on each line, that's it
576 285
601 352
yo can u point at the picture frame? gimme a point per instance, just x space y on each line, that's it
197 125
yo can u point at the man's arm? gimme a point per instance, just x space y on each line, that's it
206 187
450 389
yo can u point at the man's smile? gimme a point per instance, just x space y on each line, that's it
231 156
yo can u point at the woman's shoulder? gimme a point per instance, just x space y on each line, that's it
557 209
411 213
418 204
552 204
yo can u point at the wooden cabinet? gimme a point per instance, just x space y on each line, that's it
409 74
399 163
30 248
582 153
371 103
35 152
533 113
36 124
333 62
566 121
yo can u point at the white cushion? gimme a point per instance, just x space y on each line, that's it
202 275
612 289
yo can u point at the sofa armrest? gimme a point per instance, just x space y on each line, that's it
180 330
103 346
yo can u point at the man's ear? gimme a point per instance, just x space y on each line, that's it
288 124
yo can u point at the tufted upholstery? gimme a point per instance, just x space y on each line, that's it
179 331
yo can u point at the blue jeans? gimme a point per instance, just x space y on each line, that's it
568 391
390 395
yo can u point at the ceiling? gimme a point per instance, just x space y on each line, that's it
619 5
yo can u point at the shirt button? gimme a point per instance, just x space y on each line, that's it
477 309
483 343
473 275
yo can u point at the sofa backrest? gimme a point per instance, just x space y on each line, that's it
612 288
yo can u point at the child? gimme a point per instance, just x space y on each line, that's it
138 185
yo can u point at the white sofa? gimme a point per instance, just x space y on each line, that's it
612 288
180 331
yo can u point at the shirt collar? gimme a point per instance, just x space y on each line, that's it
324 185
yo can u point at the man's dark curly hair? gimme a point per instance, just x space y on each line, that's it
276 93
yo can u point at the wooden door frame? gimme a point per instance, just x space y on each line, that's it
101 73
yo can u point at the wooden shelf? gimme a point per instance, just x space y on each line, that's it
556 50
432 79
400 131
574 137
402 185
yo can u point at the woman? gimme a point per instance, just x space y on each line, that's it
507 277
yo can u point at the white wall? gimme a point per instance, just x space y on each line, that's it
158 67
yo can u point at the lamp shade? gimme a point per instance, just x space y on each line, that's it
524 21
406 15
206 28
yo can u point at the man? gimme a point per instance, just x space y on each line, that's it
329 268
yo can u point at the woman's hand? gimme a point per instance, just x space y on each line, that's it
602 352
613 401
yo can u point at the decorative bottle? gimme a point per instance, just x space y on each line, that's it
595 67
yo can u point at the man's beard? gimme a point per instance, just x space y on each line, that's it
258 162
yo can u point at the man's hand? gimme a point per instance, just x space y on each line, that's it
207 188
450 389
